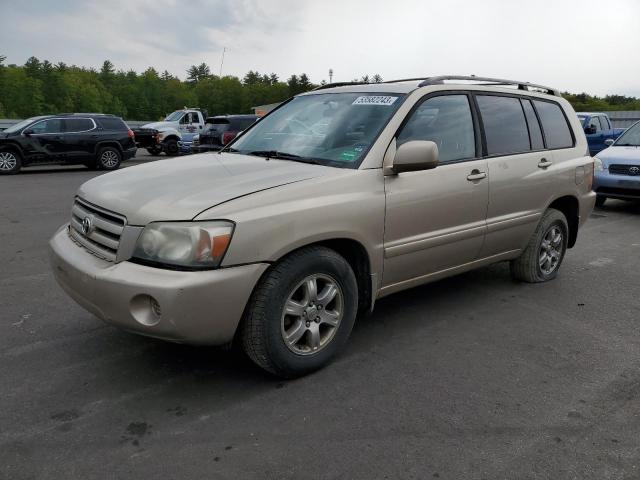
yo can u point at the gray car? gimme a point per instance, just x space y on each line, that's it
337 198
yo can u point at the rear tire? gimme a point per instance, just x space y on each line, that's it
171 148
291 328
109 158
600 200
157 150
543 256
10 162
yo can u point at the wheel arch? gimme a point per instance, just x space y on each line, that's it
108 143
12 146
356 255
570 208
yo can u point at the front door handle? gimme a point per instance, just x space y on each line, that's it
476 175
544 163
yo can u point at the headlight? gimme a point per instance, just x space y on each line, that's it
598 166
192 245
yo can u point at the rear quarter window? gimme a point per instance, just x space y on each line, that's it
557 132
113 124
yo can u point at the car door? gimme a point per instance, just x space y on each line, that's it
45 141
436 219
189 124
80 138
595 135
522 171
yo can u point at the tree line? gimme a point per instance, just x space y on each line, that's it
40 87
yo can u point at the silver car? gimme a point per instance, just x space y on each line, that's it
337 198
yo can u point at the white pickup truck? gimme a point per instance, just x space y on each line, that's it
178 126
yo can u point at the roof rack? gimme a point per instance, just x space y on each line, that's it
339 84
491 81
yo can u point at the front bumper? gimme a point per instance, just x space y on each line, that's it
616 186
202 307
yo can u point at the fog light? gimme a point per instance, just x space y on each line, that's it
145 310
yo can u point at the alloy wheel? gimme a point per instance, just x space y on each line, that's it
8 161
550 250
109 159
312 313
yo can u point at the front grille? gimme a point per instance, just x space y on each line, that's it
104 229
632 170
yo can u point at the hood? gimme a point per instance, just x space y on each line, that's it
181 188
161 125
621 155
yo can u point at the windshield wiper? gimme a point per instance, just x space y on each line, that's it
284 156
627 145
274 154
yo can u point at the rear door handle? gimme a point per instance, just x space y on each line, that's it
476 175
544 163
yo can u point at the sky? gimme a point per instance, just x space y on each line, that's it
573 45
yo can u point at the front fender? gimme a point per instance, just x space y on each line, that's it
347 205
169 132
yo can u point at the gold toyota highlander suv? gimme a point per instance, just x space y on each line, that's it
340 196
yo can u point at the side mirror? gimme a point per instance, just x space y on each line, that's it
589 130
414 156
609 141
27 132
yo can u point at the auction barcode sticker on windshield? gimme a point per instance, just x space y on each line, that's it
375 100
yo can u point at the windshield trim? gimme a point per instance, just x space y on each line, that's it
327 161
618 140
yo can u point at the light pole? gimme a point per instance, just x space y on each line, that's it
331 75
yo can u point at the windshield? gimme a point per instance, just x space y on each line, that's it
19 126
630 137
334 129
175 116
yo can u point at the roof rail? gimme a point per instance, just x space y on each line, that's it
339 84
491 81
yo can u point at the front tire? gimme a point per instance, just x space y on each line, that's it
10 162
301 313
109 158
543 256
155 150
171 148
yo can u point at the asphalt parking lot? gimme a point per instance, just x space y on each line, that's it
474 377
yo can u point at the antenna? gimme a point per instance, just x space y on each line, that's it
222 61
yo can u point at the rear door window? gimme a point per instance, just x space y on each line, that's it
78 125
504 123
554 124
447 121
535 133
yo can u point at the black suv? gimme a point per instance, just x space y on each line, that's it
95 140
220 130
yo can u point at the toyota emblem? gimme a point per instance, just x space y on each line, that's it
87 225
634 171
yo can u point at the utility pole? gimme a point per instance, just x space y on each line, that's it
331 75
222 61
